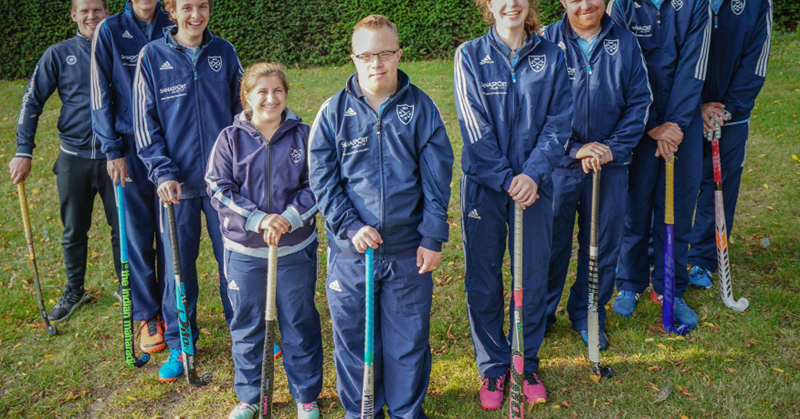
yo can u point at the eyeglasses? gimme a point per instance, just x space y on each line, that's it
367 57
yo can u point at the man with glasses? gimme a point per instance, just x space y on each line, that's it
381 166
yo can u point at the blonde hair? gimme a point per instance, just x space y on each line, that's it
255 72
532 24
374 23
171 6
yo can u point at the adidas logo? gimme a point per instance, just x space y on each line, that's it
474 214
233 287
636 5
350 112
166 66
335 286
487 60
127 35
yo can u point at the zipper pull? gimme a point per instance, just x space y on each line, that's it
514 78
589 66
658 16
379 128
716 21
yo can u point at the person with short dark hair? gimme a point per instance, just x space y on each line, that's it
80 166
381 166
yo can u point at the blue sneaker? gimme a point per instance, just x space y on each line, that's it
684 314
603 338
625 303
172 369
700 277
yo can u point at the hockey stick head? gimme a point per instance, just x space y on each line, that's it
202 380
738 305
139 363
51 330
603 371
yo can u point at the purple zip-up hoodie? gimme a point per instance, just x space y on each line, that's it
249 177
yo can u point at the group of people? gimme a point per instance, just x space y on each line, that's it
152 101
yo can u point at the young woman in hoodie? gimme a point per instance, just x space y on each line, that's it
258 181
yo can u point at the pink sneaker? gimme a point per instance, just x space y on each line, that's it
491 392
533 389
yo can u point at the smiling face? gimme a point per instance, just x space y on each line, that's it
88 14
144 7
267 99
584 15
509 14
377 76
192 19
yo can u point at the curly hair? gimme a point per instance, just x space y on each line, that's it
532 24
171 6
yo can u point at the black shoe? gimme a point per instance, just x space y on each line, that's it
68 303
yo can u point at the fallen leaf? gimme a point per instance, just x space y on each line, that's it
731 370
69 397
795 158
709 324
778 370
648 340
48 356
133 399
662 346
663 395
595 378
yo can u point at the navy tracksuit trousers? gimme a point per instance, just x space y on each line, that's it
187 216
732 150
298 319
145 249
487 219
646 200
402 331
572 193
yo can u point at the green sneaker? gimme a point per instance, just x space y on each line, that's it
307 410
244 411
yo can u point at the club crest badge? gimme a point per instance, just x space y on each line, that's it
297 155
677 4
537 62
611 46
405 113
737 6
215 62
71 59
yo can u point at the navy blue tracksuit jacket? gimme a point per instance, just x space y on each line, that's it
515 119
737 67
674 40
390 170
115 53
179 109
611 96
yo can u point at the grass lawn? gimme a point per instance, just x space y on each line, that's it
734 365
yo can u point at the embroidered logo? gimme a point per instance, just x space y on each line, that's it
71 59
636 5
494 88
215 62
405 113
166 66
474 214
738 6
297 155
232 286
571 71
335 286
642 31
537 62
127 35
677 4
358 145
562 46
611 46
487 60
350 112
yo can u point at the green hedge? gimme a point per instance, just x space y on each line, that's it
311 32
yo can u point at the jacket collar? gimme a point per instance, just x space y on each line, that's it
288 121
170 39
566 28
83 40
353 88
531 41
139 23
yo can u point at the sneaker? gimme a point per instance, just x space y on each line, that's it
172 369
276 351
307 410
244 411
603 338
151 336
683 313
491 392
625 303
67 304
700 277
533 389
118 294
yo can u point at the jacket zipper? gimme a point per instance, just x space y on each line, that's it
197 102
269 162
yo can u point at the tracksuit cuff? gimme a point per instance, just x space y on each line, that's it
293 217
254 221
573 148
166 177
431 244
533 174
352 230
24 150
114 154
507 183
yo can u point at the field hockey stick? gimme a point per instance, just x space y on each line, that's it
183 318
26 222
594 286
667 308
127 315
268 364
723 260
517 396
368 385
